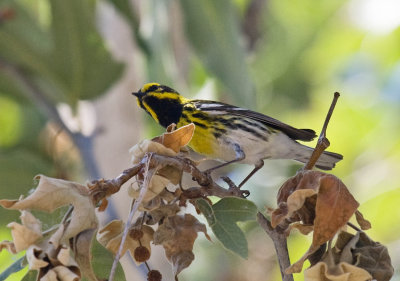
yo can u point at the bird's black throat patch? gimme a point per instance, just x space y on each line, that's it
168 110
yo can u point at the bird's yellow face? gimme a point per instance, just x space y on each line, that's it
162 103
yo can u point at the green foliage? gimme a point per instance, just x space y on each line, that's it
223 216
213 31
69 61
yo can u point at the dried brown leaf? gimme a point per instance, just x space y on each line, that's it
335 205
65 274
83 257
156 186
345 272
110 237
50 275
26 234
178 138
173 174
303 228
177 235
162 212
34 256
318 199
294 202
362 222
56 260
10 246
374 258
357 251
139 150
51 194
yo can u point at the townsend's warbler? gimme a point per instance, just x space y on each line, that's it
228 133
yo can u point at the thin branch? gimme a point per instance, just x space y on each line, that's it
148 175
323 142
277 236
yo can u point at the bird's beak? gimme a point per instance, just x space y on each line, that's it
137 94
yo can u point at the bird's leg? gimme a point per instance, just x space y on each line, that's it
239 157
257 167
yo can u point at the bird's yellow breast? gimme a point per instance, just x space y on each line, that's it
203 141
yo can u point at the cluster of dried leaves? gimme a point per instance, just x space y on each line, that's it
59 253
320 202
309 201
50 251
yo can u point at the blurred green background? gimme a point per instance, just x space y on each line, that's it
67 69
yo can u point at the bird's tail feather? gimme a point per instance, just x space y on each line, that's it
326 161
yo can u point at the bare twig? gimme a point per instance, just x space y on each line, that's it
278 236
323 142
147 177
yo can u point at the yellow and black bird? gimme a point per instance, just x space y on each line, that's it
228 133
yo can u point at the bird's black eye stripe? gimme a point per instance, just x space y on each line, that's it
152 88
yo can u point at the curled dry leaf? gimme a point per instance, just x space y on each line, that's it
371 256
168 144
65 274
34 255
110 237
178 138
9 246
156 186
139 150
318 199
354 257
343 272
49 276
362 222
177 235
51 194
336 264
53 263
82 251
303 228
162 212
23 235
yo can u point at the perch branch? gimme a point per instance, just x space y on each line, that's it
278 236
101 189
323 142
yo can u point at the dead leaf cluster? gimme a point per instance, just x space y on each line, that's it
177 235
110 237
159 206
47 252
354 258
313 201
169 144
53 263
